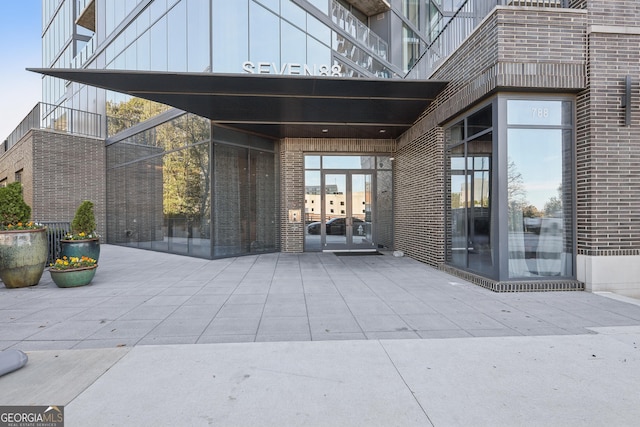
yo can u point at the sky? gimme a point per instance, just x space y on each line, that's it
20 47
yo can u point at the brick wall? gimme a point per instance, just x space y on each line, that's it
514 48
67 169
292 151
608 152
59 171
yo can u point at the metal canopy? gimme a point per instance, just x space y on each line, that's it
274 105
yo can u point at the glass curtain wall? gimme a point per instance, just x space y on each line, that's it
244 194
166 193
158 188
520 194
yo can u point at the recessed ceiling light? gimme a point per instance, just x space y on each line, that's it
325 130
383 130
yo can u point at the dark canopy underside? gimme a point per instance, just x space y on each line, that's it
276 106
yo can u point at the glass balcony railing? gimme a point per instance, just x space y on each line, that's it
352 25
448 34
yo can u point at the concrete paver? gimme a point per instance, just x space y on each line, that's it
314 339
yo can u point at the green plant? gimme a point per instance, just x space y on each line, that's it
13 209
83 225
73 262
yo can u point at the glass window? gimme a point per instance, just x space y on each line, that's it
143 49
293 13
264 35
197 36
537 112
322 5
410 48
312 162
538 192
230 35
348 162
177 38
158 39
411 10
317 54
294 45
274 5
318 30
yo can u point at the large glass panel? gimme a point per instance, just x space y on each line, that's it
159 188
312 210
411 10
230 22
410 48
536 112
361 209
262 206
348 162
294 45
537 225
384 209
198 36
293 13
335 214
177 38
479 209
158 38
459 202
230 196
264 35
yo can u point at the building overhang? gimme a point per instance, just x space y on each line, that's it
371 7
274 105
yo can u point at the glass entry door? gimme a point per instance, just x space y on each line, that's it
347 211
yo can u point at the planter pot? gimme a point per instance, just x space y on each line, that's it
73 278
78 248
23 256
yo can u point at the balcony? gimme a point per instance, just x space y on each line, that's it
448 34
56 118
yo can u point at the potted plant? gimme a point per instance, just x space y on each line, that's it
82 239
70 272
23 243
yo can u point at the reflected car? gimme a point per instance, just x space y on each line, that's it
336 226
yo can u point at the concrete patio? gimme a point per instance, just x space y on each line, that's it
140 297
165 340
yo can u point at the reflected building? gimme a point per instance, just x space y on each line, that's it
482 137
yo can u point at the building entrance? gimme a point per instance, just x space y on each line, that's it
342 198
347 218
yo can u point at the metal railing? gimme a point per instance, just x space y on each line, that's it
58 118
464 20
55 232
352 25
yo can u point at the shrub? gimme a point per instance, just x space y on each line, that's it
13 209
84 222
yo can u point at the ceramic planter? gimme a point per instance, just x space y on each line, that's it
78 248
74 277
23 256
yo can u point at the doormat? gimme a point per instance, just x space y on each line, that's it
358 253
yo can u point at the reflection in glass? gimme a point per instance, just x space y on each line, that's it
159 189
361 209
264 33
335 194
348 162
539 229
312 209
230 22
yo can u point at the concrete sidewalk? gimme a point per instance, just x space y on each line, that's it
160 340
581 380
